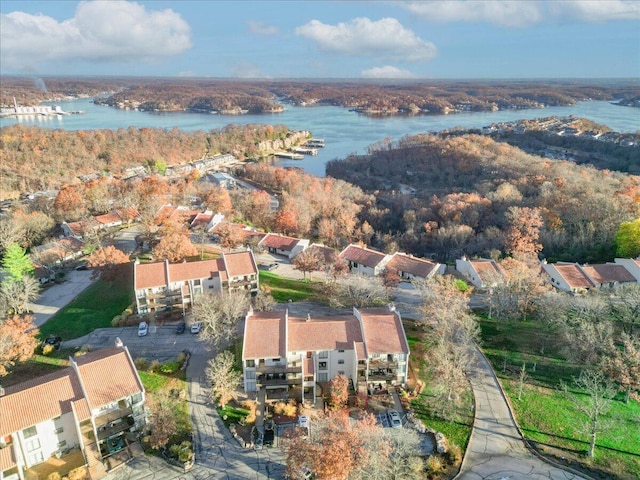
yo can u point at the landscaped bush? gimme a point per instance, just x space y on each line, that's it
79 473
252 407
53 476
154 366
141 363
172 366
286 409
183 451
181 358
116 321
434 465
454 454
48 349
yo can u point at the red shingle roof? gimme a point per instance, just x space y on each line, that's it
265 336
383 332
487 270
279 242
608 273
574 276
108 218
419 267
7 459
240 263
338 333
362 255
148 275
107 375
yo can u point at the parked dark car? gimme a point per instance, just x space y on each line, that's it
181 327
271 266
55 341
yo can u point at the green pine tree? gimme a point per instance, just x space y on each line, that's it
16 263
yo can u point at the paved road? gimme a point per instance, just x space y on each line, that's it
496 450
57 296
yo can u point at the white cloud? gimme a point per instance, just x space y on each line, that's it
100 31
387 71
385 39
259 28
247 70
523 13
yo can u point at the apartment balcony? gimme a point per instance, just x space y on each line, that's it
383 364
380 375
113 415
119 425
278 369
277 380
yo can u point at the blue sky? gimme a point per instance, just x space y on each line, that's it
323 39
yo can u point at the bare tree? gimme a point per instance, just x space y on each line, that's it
224 378
357 290
162 421
219 314
622 365
307 261
18 293
599 391
624 306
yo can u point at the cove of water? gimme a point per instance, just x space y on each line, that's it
344 131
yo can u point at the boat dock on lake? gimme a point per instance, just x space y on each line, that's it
289 155
315 143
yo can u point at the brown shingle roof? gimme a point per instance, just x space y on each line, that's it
107 375
279 242
37 400
338 333
7 459
179 272
488 270
415 266
362 255
607 273
107 218
148 275
574 276
240 264
383 332
265 336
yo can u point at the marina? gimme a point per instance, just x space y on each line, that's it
289 155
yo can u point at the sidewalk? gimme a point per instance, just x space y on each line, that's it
57 296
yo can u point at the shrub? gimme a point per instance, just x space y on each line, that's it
416 465
454 454
362 400
287 409
53 476
79 473
434 465
154 366
181 451
47 349
141 363
181 358
461 285
115 322
82 351
252 407
171 366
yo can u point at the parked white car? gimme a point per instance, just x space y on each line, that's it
195 328
394 418
143 329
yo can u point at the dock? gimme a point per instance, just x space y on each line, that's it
289 155
305 150
315 142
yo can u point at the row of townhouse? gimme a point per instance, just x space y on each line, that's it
358 258
565 276
91 410
114 218
280 352
573 277
164 285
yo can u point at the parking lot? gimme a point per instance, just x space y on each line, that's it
160 343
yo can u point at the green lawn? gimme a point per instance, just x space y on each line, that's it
94 308
231 415
545 415
285 289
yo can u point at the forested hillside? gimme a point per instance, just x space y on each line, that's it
446 196
39 159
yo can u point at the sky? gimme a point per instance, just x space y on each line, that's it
427 39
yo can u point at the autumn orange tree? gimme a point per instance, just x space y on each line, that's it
339 447
338 392
17 342
108 262
174 247
307 261
523 233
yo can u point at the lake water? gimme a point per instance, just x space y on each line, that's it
344 131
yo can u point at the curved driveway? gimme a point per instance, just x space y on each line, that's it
496 449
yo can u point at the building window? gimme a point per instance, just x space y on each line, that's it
196 282
36 458
61 444
340 351
324 354
250 375
59 430
29 432
340 372
323 377
340 362
32 444
250 363
136 397
275 360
